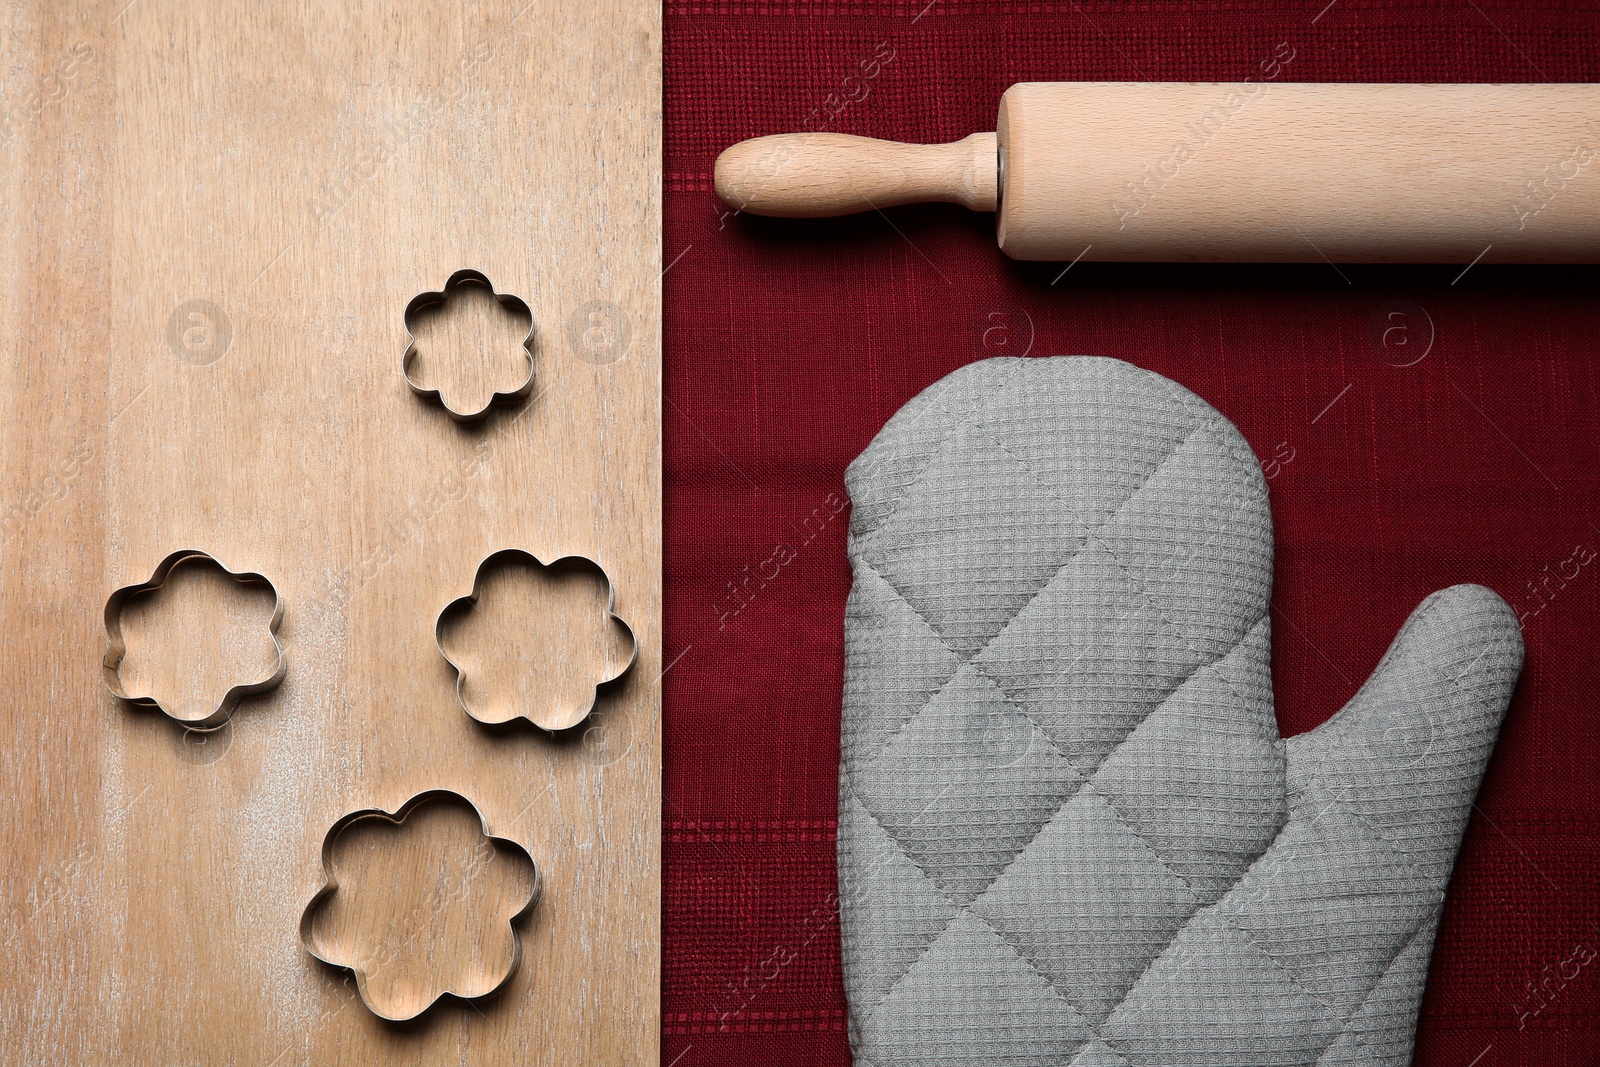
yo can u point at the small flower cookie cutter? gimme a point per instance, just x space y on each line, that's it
395 818
562 563
116 648
466 276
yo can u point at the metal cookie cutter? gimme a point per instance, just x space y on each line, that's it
466 602
116 649
331 885
465 276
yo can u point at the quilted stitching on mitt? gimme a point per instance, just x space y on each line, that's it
1069 832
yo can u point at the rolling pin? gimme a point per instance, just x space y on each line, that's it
1258 171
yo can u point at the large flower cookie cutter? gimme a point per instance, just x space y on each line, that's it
466 276
116 647
563 563
331 886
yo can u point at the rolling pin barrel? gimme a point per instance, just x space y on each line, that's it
1255 171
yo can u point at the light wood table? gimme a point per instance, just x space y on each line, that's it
214 216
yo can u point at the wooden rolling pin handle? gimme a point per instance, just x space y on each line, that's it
812 175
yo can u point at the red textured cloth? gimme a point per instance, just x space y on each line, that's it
788 344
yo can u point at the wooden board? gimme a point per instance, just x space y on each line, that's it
214 216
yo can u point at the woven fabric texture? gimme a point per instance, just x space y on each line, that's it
1068 830
1461 447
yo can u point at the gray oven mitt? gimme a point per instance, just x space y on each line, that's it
1069 832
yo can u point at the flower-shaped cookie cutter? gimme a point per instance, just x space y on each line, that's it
396 818
116 647
463 603
466 276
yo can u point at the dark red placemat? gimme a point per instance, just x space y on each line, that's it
1469 453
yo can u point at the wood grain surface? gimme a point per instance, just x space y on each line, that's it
1255 171
214 216
1295 172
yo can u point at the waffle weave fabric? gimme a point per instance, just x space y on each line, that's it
1462 447
1069 832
